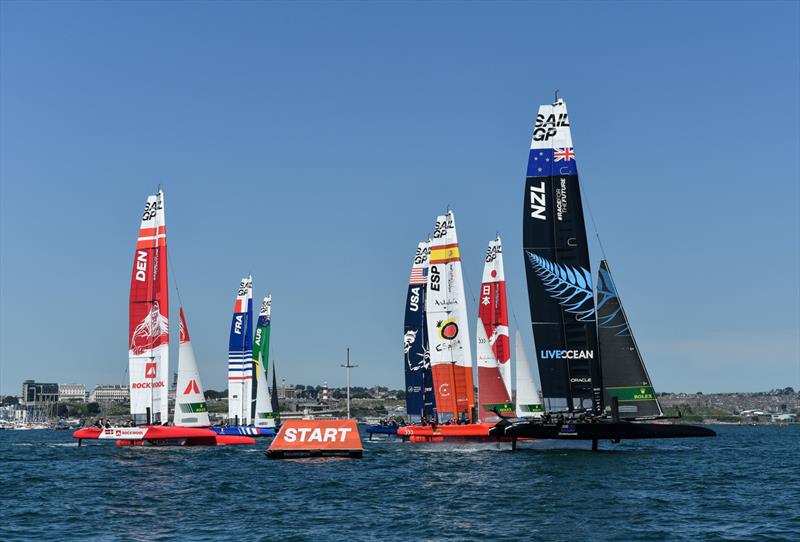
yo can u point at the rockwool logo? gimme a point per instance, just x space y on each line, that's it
150 370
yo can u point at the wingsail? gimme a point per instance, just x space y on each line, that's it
419 379
240 355
264 412
529 404
190 402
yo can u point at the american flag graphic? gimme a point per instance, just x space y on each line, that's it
419 275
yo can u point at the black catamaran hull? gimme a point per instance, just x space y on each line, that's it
601 430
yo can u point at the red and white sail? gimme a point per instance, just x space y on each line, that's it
448 330
148 332
190 401
493 347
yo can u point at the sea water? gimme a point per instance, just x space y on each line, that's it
742 485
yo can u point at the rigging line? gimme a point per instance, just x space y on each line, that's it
594 224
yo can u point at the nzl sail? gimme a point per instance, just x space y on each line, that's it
240 355
264 415
448 332
624 374
190 402
419 379
148 331
556 258
528 402
493 348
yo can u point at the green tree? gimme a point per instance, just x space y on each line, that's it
93 408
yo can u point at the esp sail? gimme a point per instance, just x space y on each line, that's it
419 379
190 402
529 404
264 413
557 267
148 330
448 331
624 374
240 355
493 347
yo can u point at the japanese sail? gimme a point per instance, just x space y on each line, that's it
624 373
557 266
493 350
419 379
529 404
240 355
190 402
148 330
448 330
264 412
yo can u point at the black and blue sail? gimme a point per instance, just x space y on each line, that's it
624 373
419 378
556 256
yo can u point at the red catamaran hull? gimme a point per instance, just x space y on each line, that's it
161 435
473 432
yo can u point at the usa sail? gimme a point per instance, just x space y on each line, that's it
190 402
419 379
493 348
529 404
148 330
448 330
558 272
265 414
240 356
624 373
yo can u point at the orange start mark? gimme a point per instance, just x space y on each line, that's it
316 438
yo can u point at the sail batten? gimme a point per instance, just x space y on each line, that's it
448 330
148 331
556 256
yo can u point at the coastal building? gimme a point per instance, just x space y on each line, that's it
34 393
72 392
109 393
287 392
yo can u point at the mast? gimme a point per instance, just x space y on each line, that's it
148 329
348 366
240 354
557 265
418 377
448 330
624 373
493 349
190 402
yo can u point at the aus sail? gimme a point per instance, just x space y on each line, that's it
191 409
148 330
448 330
624 373
556 256
240 355
419 379
265 414
493 349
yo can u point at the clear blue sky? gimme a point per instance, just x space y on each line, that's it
313 144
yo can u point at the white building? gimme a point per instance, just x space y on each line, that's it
109 393
71 392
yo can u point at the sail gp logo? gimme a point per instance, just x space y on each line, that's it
148 333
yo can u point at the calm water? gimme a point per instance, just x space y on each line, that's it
743 485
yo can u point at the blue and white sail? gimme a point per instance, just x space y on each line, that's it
240 356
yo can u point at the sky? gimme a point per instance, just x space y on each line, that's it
313 144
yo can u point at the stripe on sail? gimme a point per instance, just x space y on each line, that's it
148 329
557 266
419 379
190 402
492 349
240 353
447 324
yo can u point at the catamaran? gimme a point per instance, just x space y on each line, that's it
148 353
250 407
594 382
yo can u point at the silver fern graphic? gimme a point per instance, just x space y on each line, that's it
570 286
606 293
